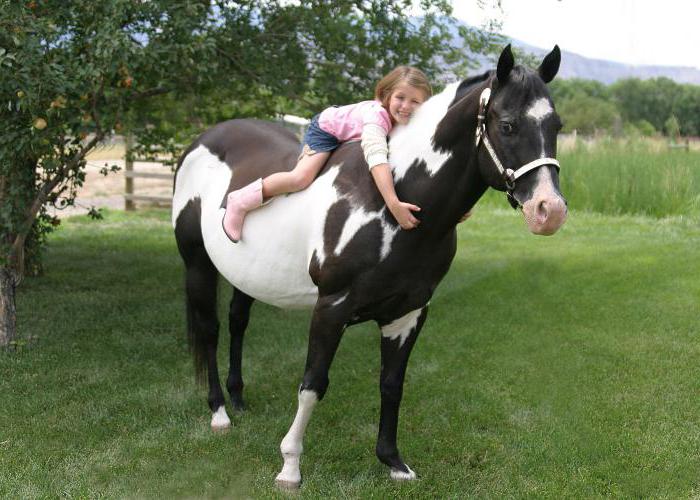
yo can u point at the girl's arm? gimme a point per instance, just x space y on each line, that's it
400 210
375 148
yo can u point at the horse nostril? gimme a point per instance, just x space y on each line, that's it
542 211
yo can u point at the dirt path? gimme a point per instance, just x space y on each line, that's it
108 191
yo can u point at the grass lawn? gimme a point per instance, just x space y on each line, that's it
549 367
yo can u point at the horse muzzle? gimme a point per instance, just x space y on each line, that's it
545 213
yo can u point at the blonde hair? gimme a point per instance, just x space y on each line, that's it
402 74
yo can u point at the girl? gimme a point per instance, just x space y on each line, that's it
397 96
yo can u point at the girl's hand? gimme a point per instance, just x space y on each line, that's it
465 216
402 212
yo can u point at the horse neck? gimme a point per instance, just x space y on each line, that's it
449 184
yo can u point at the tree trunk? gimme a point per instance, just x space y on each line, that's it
8 316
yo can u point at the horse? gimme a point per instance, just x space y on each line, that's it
336 249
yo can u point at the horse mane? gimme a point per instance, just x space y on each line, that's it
468 83
432 129
518 74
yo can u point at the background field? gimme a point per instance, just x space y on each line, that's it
622 176
632 176
549 367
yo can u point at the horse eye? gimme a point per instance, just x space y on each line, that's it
507 128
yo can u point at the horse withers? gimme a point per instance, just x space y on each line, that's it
335 248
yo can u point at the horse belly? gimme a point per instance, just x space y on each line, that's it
271 262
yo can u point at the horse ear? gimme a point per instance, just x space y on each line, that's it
505 64
550 65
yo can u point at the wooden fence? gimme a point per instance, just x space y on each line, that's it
679 144
130 175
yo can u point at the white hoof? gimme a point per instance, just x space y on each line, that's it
289 478
220 420
399 475
287 485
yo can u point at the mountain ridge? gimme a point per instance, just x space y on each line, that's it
574 65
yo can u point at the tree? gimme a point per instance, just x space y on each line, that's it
587 114
672 128
561 89
651 100
686 108
72 72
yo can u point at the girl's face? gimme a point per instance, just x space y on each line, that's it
403 101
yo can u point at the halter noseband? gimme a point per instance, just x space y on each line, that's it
509 175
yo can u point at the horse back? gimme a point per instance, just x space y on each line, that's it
251 148
255 148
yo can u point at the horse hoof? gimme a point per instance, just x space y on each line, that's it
237 404
283 484
220 420
399 475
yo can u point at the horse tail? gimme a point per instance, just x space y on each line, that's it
201 281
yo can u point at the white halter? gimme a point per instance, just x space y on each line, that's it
509 175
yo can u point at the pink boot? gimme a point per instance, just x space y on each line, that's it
238 203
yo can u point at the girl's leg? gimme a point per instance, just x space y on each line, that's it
247 198
239 203
301 177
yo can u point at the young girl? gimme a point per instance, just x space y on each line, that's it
397 96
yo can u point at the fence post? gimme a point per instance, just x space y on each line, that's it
128 168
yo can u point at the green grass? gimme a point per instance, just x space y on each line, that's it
628 177
631 178
561 367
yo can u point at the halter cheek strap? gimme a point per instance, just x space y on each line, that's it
509 175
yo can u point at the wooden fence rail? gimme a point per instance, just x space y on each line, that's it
130 175
675 144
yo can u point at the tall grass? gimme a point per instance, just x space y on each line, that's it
631 177
628 177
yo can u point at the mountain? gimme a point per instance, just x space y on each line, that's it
577 66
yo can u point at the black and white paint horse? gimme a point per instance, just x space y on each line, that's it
334 247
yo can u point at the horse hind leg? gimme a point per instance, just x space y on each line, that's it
238 316
203 325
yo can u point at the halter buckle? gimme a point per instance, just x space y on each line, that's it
484 99
509 177
481 117
480 130
511 199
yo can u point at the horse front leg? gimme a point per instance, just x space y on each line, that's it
398 338
327 326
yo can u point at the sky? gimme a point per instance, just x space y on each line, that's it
639 32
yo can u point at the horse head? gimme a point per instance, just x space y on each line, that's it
515 137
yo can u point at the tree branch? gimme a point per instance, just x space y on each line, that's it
95 114
240 66
257 77
17 250
150 92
